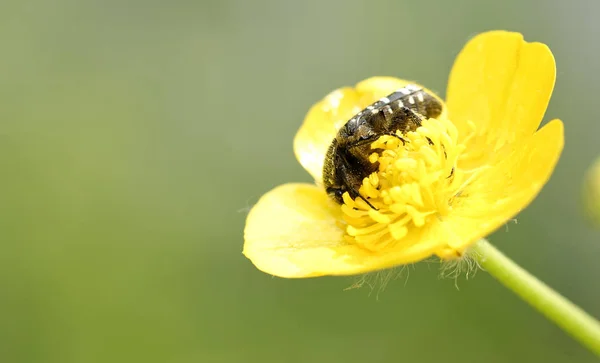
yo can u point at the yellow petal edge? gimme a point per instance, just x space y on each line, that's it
506 188
293 231
503 84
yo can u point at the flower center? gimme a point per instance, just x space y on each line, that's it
417 181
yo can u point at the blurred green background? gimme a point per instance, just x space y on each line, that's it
135 136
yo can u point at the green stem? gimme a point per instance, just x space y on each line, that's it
579 324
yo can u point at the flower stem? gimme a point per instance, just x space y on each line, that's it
572 319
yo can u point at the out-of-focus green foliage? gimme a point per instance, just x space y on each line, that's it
591 193
135 135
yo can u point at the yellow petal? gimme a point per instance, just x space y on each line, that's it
320 127
502 84
376 87
293 231
326 117
506 188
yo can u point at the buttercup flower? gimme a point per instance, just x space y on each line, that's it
454 180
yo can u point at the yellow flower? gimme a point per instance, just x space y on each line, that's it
457 179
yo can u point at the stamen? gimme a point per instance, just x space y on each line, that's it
417 182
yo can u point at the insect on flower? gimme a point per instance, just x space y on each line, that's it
347 159
399 181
